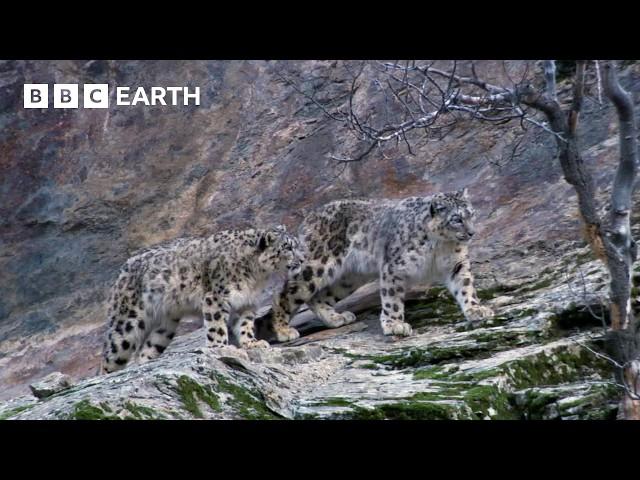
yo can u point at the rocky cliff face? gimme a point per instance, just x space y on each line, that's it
81 190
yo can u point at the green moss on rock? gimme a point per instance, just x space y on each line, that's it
436 355
84 410
15 411
598 403
402 411
488 393
565 364
434 372
140 412
505 339
191 392
560 366
245 403
369 366
547 282
490 402
437 307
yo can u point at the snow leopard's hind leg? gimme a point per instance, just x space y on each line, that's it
244 330
127 321
299 289
158 340
323 303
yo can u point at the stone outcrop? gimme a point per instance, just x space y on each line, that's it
53 383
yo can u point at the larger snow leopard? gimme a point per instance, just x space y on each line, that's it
212 277
351 242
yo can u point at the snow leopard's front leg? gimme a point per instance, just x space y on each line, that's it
285 304
460 284
299 288
215 310
243 329
392 290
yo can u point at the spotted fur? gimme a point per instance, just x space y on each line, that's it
351 242
212 277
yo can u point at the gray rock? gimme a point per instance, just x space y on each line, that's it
53 383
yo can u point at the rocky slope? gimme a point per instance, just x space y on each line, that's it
82 190
534 360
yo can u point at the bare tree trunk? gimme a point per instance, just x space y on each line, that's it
612 244
621 248
569 155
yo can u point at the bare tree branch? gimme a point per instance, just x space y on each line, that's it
316 103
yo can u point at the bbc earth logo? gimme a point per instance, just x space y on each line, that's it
97 95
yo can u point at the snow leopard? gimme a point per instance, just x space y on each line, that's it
212 277
348 243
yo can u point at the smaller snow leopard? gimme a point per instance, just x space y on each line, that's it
398 242
212 277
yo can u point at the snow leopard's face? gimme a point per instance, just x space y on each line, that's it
279 251
453 216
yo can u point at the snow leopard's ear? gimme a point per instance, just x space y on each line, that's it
270 237
266 239
436 208
463 194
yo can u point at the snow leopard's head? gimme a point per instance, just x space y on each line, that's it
452 216
278 251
